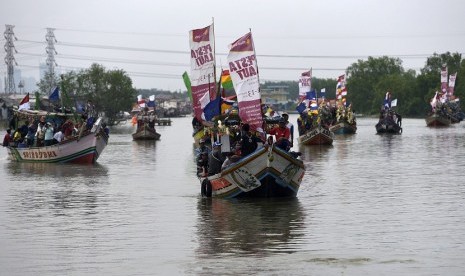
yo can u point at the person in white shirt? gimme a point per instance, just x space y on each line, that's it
58 136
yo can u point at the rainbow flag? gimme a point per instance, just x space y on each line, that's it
226 81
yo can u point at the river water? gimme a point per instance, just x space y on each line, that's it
368 205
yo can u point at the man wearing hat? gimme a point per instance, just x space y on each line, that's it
282 133
202 148
48 134
215 159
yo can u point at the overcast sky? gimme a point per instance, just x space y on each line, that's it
149 39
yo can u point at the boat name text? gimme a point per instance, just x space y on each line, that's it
39 154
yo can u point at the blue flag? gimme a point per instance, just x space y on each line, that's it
55 96
212 109
301 107
311 95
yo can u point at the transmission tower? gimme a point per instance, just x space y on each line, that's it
10 59
51 52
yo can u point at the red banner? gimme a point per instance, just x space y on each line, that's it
202 44
244 74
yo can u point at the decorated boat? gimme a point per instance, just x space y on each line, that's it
343 127
343 121
84 148
268 172
318 135
445 106
389 120
388 125
264 170
437 120
146 132
144 119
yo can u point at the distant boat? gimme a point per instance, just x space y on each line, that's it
344 121
145 126
343 127
146 132
437 120
388 125
445 107
318 135
389 120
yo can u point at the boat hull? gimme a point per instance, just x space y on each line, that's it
436 120
266 173
146 133
317 136
83 150
388 127
343 128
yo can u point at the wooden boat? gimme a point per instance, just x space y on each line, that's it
318 135
146 132
343 127
388 125
83 149
268 172
437 120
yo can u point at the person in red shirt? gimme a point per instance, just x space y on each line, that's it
282 133
7 139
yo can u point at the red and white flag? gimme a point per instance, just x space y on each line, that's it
305 84
244 74
24 104
452 84
202 44
140 101
444 83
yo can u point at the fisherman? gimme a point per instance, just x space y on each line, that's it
7 138
215 159
202 148
249 142
291 128
282 134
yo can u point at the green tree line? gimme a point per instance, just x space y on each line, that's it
111 91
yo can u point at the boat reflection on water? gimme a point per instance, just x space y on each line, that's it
250 227
57 189
51 170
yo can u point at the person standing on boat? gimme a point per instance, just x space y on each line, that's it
202 148
249 142
48 134
291 128
215 159
58 136
282 134
40 132
202 164
7 138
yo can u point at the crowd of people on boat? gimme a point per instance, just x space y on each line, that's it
325 115
39 131
242 143
144 118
